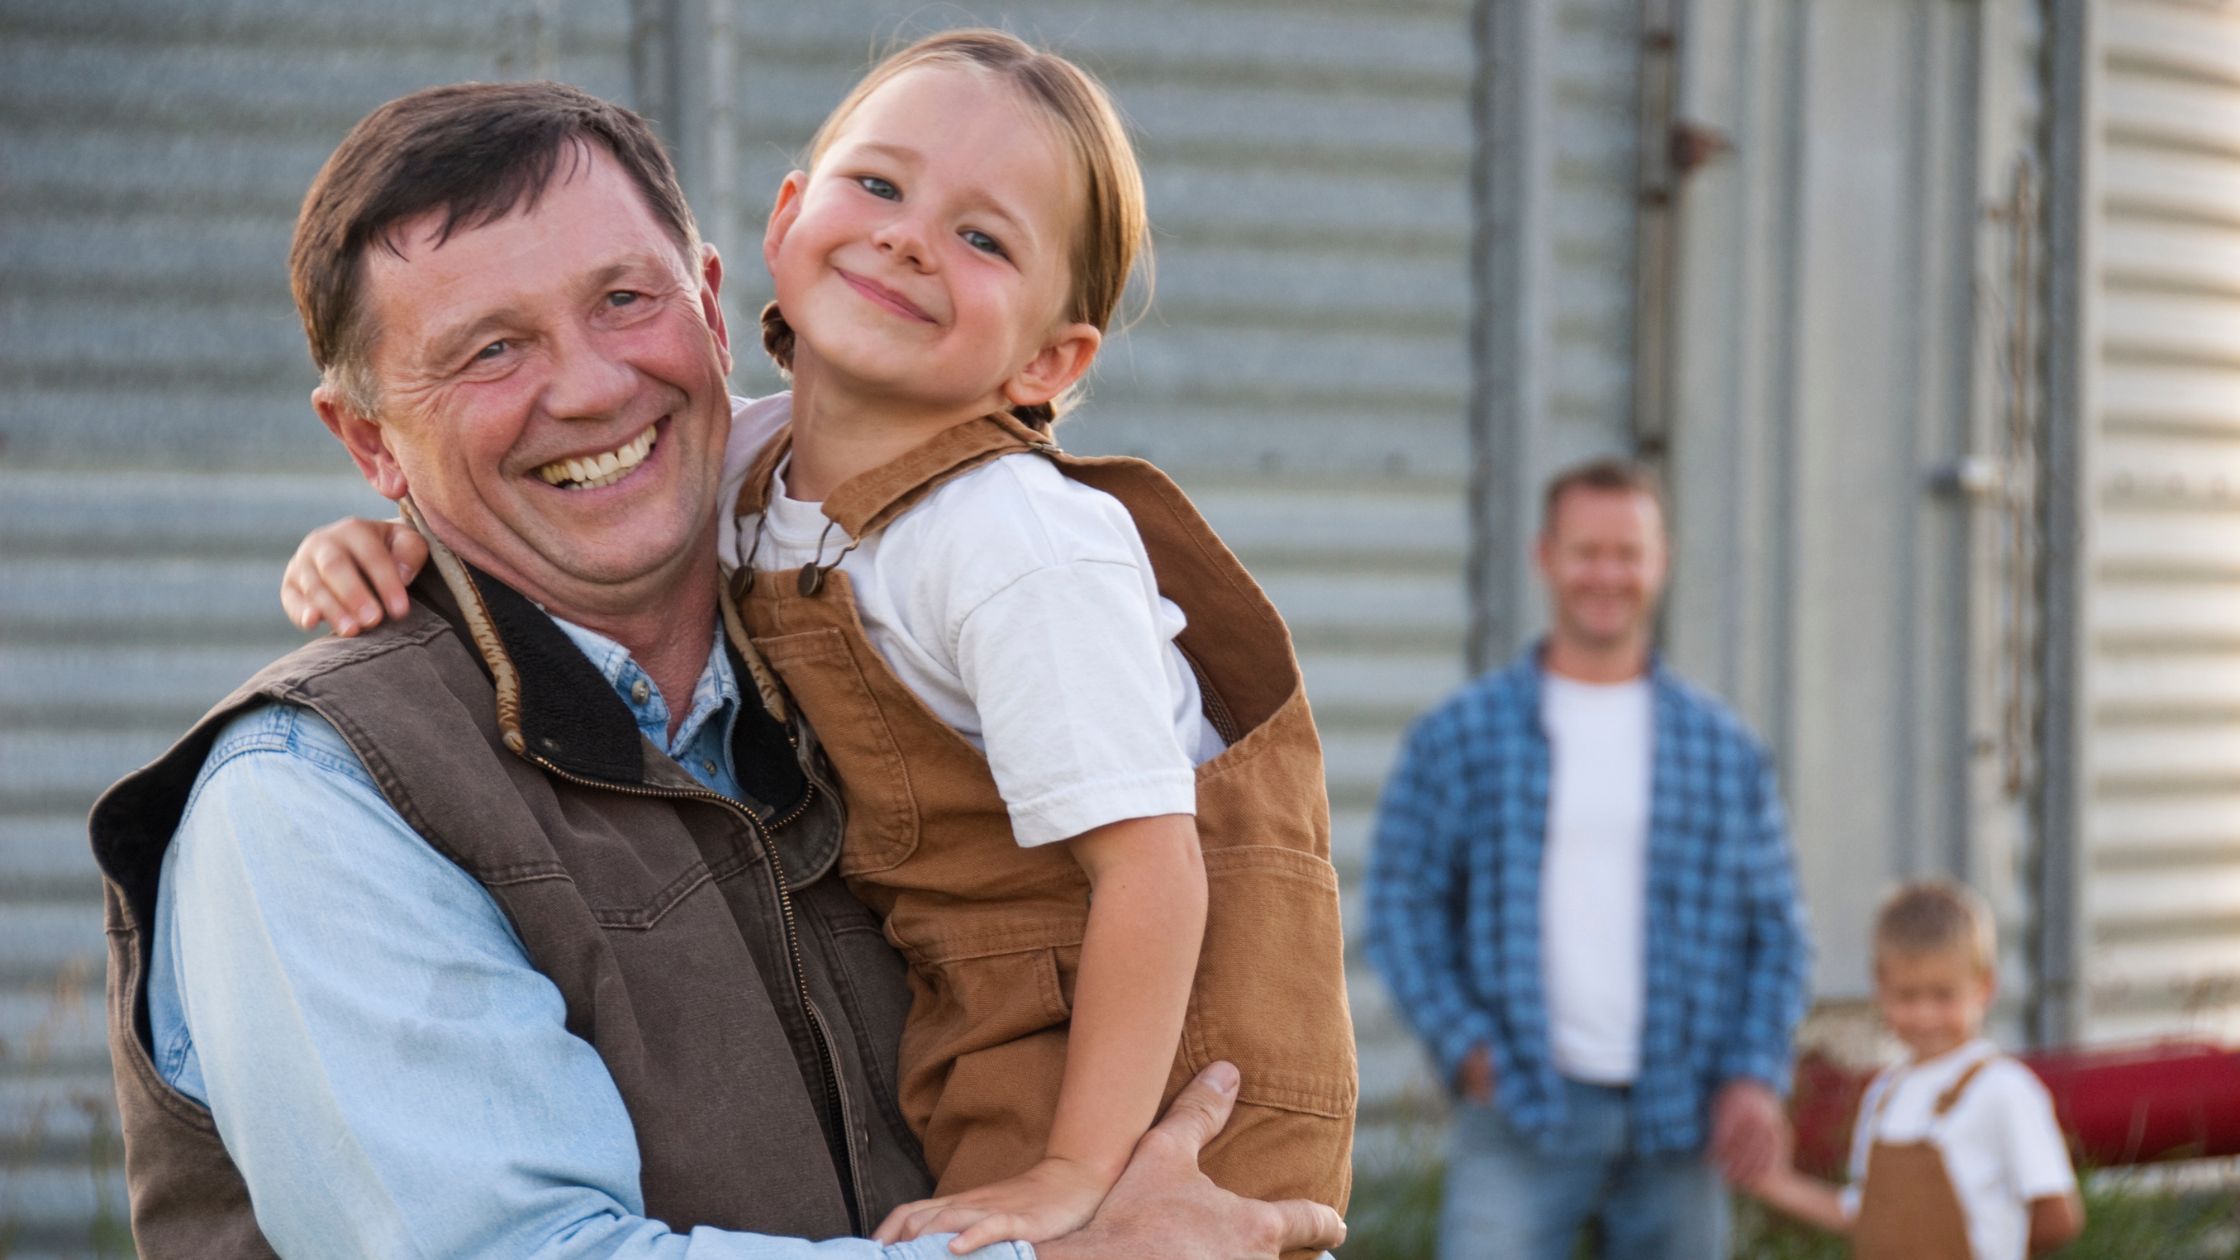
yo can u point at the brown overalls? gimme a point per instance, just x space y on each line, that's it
1908 1208
993 931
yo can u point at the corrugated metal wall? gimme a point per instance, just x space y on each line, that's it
1841 316
2161 828
157 454
1558 186
1302 372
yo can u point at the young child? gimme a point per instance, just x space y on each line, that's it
1955 1154
1069 729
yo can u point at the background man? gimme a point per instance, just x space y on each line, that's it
1581 895
509 929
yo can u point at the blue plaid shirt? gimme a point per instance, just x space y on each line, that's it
1454 905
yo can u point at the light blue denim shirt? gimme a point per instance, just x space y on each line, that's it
388 1071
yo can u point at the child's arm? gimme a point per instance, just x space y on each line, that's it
1808 1199
2055 1222
345 573
1147 914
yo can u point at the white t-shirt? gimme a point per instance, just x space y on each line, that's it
2001 1146
1020 608
1594 874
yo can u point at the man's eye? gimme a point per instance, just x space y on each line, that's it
492 351
623 297
878 187
983 242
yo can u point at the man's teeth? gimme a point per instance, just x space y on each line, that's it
593 471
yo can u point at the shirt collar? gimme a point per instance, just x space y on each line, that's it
715 694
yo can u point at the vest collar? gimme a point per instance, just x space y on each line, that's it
555 708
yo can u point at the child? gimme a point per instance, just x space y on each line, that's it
1955 1154
1069 730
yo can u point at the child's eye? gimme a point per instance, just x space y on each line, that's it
878 187
983 242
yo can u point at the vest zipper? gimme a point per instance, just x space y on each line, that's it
835 1096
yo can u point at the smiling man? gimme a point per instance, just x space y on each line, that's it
1581 896
510 928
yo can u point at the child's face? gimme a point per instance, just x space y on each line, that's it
926 260
1933 1001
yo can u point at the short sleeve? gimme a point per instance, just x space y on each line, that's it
1067 669
2036 1151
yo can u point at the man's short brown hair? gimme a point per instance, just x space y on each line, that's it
1934 916
1609 473
474 152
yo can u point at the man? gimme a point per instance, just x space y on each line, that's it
1581 896
510 929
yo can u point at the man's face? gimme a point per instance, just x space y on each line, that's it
1603 559
551 392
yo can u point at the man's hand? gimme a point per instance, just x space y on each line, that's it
1474 1079
1749 1135
1163 1206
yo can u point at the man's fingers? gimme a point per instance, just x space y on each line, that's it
1303 1223
1199 1111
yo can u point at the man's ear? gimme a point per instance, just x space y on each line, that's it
711 306
783 212
1064 359
362 437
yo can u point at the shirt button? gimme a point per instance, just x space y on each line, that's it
640 691
709 765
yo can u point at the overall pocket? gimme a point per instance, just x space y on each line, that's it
1270 995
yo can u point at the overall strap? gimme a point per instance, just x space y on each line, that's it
1950 1098
864 504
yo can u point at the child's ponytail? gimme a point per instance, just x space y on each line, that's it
777 337
777 340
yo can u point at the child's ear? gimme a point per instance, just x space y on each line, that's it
783 212
361 435
1064 359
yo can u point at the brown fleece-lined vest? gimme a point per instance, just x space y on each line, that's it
993 931
746 1006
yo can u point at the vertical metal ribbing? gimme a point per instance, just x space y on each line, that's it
2057 913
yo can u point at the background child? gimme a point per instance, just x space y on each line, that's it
1002 648
1955 1154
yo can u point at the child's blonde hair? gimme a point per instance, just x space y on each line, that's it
1115 226
1932 916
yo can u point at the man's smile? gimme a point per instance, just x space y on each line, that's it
589 472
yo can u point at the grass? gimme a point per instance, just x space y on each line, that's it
2129 1215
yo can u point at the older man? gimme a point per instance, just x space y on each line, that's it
1581 895
510 928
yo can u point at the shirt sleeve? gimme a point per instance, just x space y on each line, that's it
1068 670
754 421
2036 1151
1777 963
1416 889
384 1065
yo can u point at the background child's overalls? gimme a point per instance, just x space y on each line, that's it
1908 1207
993 931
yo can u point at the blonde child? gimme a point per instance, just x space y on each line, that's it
1955 1154
1068 728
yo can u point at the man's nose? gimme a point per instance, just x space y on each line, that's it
589 381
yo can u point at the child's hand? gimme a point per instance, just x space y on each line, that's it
1055 1197
339 569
